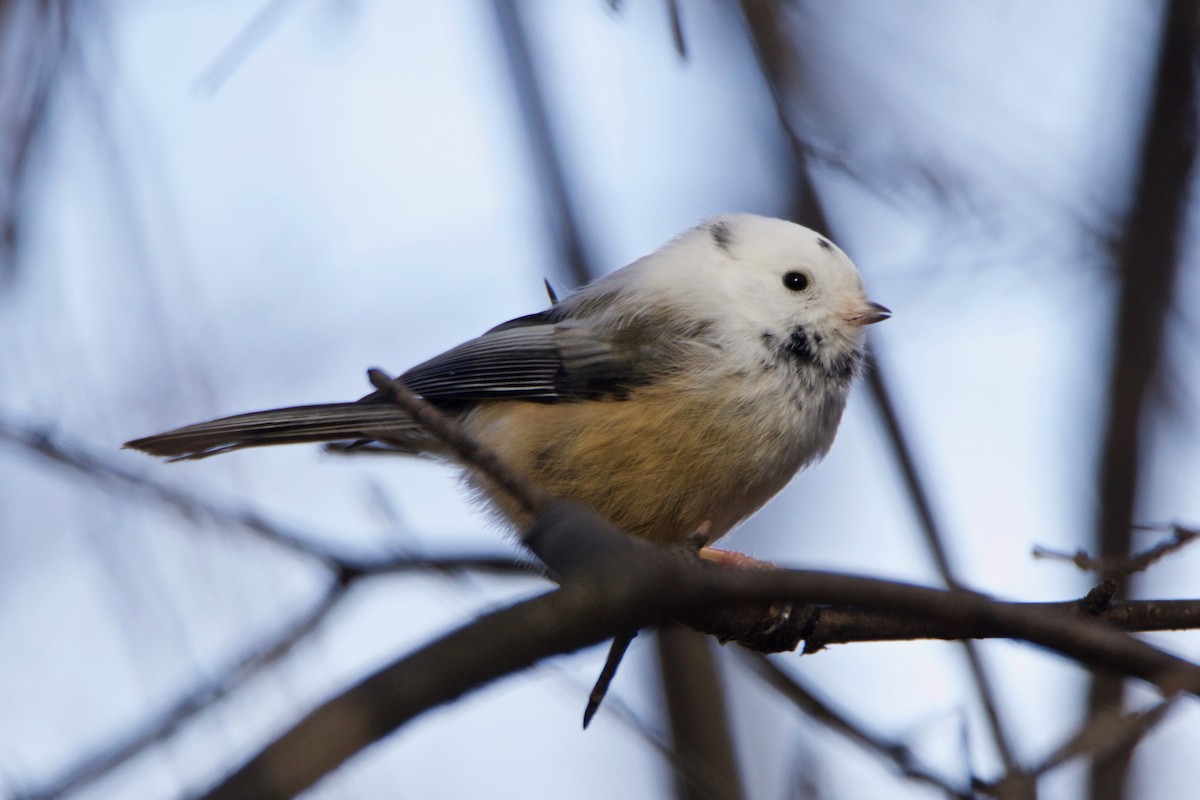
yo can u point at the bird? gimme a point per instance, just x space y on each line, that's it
674 396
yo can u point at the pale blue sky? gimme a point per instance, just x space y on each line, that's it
357 193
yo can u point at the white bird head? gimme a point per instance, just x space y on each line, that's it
762 280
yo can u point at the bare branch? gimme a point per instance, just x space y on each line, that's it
465 449
699 724
1105 733
1147 266
616 652
840 625
1123 567
623 594
82 461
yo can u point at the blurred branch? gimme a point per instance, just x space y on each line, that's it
681 671
1106 732
1147 263
898 754
197 700
34 45
558 206
676 20
708 768
74 456
934 543
778 61
264 22
345 569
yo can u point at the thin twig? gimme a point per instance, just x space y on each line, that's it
616 652
532 498
1123 567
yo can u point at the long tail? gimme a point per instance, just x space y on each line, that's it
333 422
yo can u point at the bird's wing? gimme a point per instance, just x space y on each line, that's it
540 357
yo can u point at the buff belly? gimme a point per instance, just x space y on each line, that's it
659 467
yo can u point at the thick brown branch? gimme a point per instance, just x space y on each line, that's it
846 625
654 588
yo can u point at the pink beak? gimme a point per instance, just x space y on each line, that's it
868 314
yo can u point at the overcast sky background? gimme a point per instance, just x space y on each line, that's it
357 191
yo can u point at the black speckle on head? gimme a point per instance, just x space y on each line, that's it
824 243
721 235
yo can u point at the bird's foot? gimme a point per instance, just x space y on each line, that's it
732 558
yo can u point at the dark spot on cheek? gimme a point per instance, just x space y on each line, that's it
801 346
824 243
844 367
721 235
805 349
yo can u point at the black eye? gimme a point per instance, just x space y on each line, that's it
796 281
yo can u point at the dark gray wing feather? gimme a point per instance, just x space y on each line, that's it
530 358
542 357
518 362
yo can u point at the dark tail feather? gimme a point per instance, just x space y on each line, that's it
334 422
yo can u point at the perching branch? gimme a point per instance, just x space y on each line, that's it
620 594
